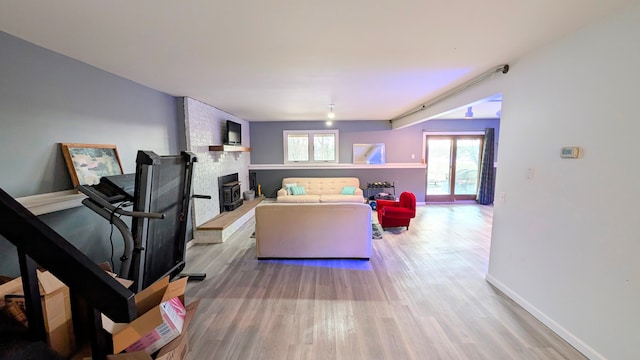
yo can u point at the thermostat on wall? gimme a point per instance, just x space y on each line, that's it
571 152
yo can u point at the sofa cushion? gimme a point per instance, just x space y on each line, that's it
299 199
321 186
326 190
341 199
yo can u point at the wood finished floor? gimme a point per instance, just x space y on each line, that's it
423 295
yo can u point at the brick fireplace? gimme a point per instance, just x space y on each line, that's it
204 126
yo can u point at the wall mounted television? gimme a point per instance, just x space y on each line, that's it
233 134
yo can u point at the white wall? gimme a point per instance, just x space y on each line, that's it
204 125
566 243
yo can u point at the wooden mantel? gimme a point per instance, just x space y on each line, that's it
229 148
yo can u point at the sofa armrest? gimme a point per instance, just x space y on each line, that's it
398 212
282 192
358 192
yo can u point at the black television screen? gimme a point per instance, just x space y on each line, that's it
234 133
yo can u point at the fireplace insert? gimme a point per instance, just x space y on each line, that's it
230 194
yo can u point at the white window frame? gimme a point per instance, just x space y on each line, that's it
310 134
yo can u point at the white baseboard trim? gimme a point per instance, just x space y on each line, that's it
569 337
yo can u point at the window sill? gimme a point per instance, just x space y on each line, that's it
52 202
336 166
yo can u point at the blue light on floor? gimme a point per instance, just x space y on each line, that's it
347 264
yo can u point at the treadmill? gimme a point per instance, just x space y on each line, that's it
160 193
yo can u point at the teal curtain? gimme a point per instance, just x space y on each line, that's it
486 190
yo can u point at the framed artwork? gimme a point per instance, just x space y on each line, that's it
368 154
87 163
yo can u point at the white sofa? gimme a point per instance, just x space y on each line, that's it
321 190
327 230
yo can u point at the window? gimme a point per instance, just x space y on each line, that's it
310 146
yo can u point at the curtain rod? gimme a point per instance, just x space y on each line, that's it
502 68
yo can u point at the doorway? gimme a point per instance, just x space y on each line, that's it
453 167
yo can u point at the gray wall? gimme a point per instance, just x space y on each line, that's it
267 148
47 98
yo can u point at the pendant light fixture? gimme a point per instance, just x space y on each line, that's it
331 115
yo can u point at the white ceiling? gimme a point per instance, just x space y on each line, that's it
289 59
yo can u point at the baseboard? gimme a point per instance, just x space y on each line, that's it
568 336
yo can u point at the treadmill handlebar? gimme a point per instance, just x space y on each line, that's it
201 196
95 197
140 214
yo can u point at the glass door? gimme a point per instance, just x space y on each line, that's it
439 167
453 167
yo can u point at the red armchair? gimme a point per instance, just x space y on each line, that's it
396 213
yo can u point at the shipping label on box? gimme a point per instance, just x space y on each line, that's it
178 348
173 313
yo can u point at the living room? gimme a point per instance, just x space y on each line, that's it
563 244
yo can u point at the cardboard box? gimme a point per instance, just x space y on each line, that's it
160 318
140 355
178 348
56 309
